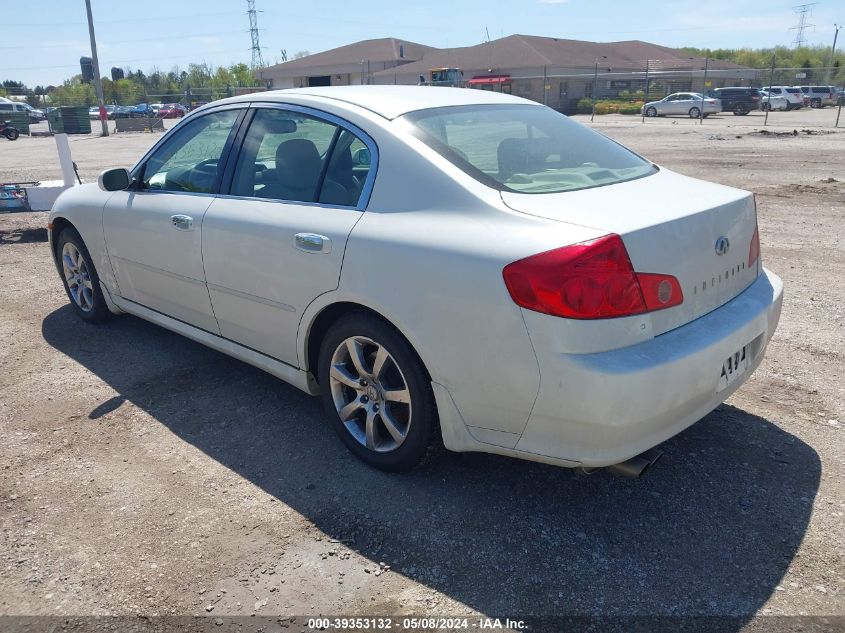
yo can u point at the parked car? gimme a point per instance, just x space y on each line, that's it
455 264
156 107
7 107
773 102
794 96
738 100
818 96
35 115
112 112
683 103
172 111
142 110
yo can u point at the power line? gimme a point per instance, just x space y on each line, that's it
182 36
257 59
803 11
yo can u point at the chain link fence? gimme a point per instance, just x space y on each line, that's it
606 91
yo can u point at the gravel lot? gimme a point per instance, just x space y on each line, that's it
141 473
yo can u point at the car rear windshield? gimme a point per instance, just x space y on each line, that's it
525 148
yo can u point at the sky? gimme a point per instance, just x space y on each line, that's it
44 45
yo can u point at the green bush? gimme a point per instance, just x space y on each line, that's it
632 108
609 106
584 106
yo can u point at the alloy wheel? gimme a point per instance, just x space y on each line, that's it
78 277
370 394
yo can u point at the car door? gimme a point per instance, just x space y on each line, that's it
667 105
676 104
276 240
153 230
686 102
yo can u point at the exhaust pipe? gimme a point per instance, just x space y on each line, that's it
637 465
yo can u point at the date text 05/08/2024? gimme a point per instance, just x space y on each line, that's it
406 623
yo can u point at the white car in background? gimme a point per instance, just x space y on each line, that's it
794 97
770 101
437 264
684 104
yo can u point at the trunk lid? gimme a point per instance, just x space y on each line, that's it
670 224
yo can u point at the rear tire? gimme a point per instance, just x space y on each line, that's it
740 109
816 103
694 113
12 135
80 278
377 394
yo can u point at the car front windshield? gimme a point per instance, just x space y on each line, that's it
525 148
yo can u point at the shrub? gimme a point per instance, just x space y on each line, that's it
631 108
584 106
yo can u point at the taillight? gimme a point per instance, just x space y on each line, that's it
590 280
754 249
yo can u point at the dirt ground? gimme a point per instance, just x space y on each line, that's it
141 473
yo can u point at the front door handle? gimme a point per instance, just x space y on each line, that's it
312 243
182 222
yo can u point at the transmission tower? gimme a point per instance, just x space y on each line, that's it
257 59
803 11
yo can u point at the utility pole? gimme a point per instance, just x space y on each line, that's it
98 84
257 59
704 90
836 28
803 10
595 82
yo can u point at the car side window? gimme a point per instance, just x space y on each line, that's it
291 156
190 160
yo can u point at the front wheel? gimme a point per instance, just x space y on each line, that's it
694 113
377 393
651 112
81 281
11 133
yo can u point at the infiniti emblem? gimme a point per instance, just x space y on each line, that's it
723 245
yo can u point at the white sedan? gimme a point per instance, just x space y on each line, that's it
773 102
439 265
688 104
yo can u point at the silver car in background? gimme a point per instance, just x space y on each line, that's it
770 101
793 96
683 103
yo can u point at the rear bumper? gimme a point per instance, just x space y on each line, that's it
603 408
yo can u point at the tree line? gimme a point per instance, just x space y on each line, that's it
199 82
815 62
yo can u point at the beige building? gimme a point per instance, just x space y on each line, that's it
557 72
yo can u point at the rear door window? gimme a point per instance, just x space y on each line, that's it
291 156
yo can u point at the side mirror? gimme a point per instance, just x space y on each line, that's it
114 179
362 157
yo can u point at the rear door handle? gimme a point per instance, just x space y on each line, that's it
182 222
312 243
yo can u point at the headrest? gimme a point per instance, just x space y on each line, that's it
298 163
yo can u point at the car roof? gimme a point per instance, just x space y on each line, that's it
392 101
